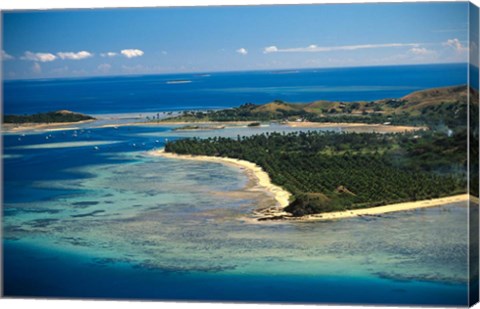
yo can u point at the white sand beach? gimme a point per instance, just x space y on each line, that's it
374 211
346 125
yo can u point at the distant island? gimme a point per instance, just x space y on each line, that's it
61 116
331 172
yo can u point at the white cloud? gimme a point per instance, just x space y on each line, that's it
36 68
242 51
74 56
109 54
456 45
42 57
104 67
318 49
164 52
270 49
131 53
6 56
421 51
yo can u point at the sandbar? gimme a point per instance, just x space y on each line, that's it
65 145
305 125
376 211
13 127
355 126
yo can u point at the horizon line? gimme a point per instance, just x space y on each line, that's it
228 71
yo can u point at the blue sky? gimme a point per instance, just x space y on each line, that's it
76 43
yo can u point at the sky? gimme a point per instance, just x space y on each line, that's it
103 42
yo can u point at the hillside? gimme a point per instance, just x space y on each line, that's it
433 107
421 100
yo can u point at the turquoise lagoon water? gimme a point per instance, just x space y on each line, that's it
115 222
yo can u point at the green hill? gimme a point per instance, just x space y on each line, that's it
50 117
433 107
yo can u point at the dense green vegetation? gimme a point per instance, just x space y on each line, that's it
437 108
474 142
328 171
331 171
50 117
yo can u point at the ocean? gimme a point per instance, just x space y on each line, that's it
88 213
151 93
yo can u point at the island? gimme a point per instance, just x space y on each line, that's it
43 120
430 107
330 172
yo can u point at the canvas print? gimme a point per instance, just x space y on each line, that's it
321 154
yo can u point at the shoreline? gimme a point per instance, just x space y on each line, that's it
174 123
379 210
282 197
232 124
45 127
13 128
358 125
261 178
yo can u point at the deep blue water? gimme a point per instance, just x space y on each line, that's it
35 272
219 90
58 164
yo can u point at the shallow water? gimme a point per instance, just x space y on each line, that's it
115 222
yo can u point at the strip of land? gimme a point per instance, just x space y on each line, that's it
10 127
376 211
354 126
212 124
14 128
282 197
305 125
